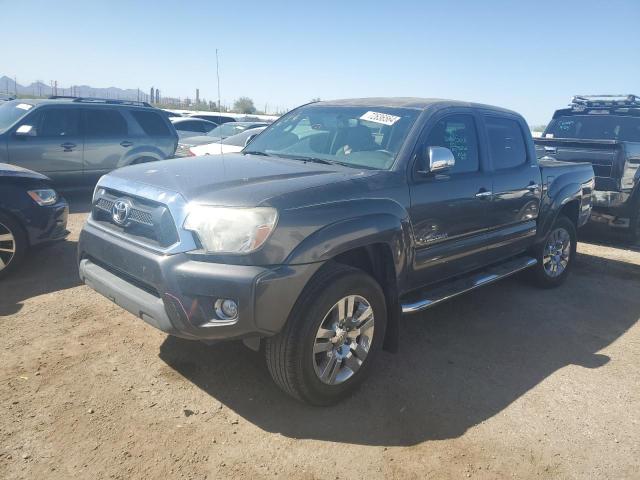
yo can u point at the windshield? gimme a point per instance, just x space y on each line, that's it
226 130
368 137
11 112
595 127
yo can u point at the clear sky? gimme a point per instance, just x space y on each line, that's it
530 56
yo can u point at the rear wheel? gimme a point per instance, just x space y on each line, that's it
331 338
557 254
13 244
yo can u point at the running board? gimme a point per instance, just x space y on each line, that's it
427 298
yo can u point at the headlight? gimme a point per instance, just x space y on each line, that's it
44 196
229 229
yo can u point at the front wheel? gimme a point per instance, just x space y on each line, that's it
331 338
557 254
13 244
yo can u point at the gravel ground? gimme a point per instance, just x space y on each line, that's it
506 382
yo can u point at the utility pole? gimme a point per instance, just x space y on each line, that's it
218 77
15 85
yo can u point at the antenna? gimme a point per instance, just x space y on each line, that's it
218 77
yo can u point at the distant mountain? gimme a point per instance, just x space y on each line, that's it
39 89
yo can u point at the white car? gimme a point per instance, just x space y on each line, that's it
232 144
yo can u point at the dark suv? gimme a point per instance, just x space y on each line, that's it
75 141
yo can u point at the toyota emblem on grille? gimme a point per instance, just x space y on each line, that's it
120 211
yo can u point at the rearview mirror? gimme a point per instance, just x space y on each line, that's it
440 159
25 131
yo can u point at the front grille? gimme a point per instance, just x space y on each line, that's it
148 222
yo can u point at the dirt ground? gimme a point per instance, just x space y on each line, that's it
506 382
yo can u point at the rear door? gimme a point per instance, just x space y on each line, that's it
449 211
153 134
54 145
517 190
106 142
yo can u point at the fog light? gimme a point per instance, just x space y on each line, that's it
226 309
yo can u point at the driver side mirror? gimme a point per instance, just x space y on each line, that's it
440 160
248 141
25 131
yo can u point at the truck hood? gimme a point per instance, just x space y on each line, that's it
236 179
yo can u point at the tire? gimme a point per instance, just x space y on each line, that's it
555 256
341 361
12 237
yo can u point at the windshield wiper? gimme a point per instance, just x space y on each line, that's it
306 159
256 152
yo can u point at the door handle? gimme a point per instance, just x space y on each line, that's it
126 143
483 193
68 146
534 187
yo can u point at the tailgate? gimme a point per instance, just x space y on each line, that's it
604 155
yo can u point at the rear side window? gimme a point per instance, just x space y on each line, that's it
105 122
506 143
152 123
458 134
58 122
190 126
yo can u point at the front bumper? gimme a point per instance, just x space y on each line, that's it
177 293
46 223
601 198
613 209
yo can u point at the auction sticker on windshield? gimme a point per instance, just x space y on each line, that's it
24 106
378 117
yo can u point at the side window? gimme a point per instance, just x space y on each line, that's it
506 143
458 134
58 122
152 123
190 126
105 123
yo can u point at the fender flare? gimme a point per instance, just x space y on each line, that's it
554 204
348 234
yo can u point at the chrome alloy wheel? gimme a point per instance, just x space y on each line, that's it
557 252
7 246
343 340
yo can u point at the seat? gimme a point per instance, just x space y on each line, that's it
354 139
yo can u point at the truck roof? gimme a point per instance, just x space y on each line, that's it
416 103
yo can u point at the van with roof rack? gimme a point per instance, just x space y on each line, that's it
76 140
603 130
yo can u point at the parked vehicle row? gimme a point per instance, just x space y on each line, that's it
332 223
219 133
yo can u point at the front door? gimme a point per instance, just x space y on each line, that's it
449 211
53 146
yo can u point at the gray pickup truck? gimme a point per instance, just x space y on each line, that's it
334 221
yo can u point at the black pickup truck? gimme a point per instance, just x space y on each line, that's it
334 221
603 130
